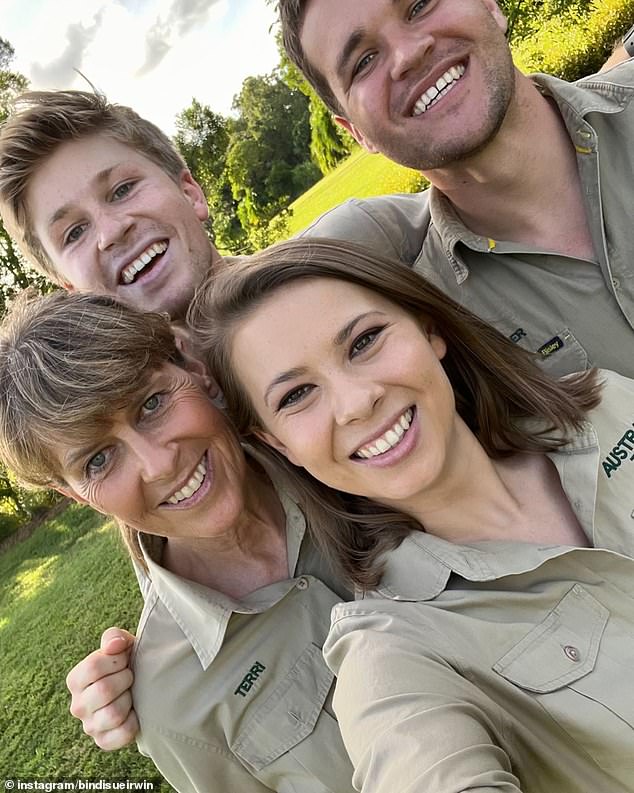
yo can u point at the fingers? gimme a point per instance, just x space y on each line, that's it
120 736
116 640
94 668
101 694
100 691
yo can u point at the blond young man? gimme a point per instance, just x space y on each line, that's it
98 199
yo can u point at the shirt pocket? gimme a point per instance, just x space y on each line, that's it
562 649
570 665
292 729
559 352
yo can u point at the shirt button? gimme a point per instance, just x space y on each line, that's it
616 283
572 653
302 583
585 134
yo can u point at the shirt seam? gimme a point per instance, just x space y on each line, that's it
363 206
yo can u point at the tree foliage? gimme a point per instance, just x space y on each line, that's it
203 138
268 161
16 505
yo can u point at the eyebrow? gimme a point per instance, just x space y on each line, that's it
72 459
65 209
352 42
284 377
339 339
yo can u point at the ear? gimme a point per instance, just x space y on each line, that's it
192 364
194 194
356 134
67 490
494 9
273 442
438 344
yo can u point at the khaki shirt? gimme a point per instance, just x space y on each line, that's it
576 313
503 666
234 696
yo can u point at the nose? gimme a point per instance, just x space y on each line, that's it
156 459
112 226
356 400
409 50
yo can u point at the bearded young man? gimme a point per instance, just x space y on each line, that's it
531 177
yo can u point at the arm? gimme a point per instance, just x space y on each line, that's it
409 721
100 691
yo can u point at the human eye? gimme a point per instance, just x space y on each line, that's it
364 341
74 233
294 396
153 403
98 463
122 190
417 8
363 64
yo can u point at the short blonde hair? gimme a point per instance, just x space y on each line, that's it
67 363
44 120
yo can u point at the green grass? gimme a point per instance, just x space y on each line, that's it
360 175
58 590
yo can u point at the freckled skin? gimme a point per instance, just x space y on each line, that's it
149 454
108 221
348 394
406 47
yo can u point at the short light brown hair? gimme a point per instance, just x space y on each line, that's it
44 120
496 383
292 13
67 363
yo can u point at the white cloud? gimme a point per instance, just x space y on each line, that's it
153 55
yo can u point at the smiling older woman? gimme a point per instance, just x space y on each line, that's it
493 650
232 692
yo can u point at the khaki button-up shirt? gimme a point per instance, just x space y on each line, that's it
575 313
503 666
234 696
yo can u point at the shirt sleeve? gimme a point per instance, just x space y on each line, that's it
192 766
393 225
409 721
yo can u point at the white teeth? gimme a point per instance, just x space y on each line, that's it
389 439
128 274
192 486
443 85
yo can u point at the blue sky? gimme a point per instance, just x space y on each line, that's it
154 55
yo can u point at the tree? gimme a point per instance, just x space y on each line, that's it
15 275
203 138
329 143
268 159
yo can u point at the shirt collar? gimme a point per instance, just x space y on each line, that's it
203 613
575 102
421 566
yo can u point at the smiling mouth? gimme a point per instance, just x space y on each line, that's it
145 261
389 440
193 484
442 87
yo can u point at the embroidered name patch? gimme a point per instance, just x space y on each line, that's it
550 347
623 450
249 679
518 334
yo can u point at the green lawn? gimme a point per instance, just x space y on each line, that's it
359 176
58 590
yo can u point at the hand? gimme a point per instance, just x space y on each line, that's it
100 689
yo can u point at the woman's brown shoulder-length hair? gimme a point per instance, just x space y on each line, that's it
496 383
